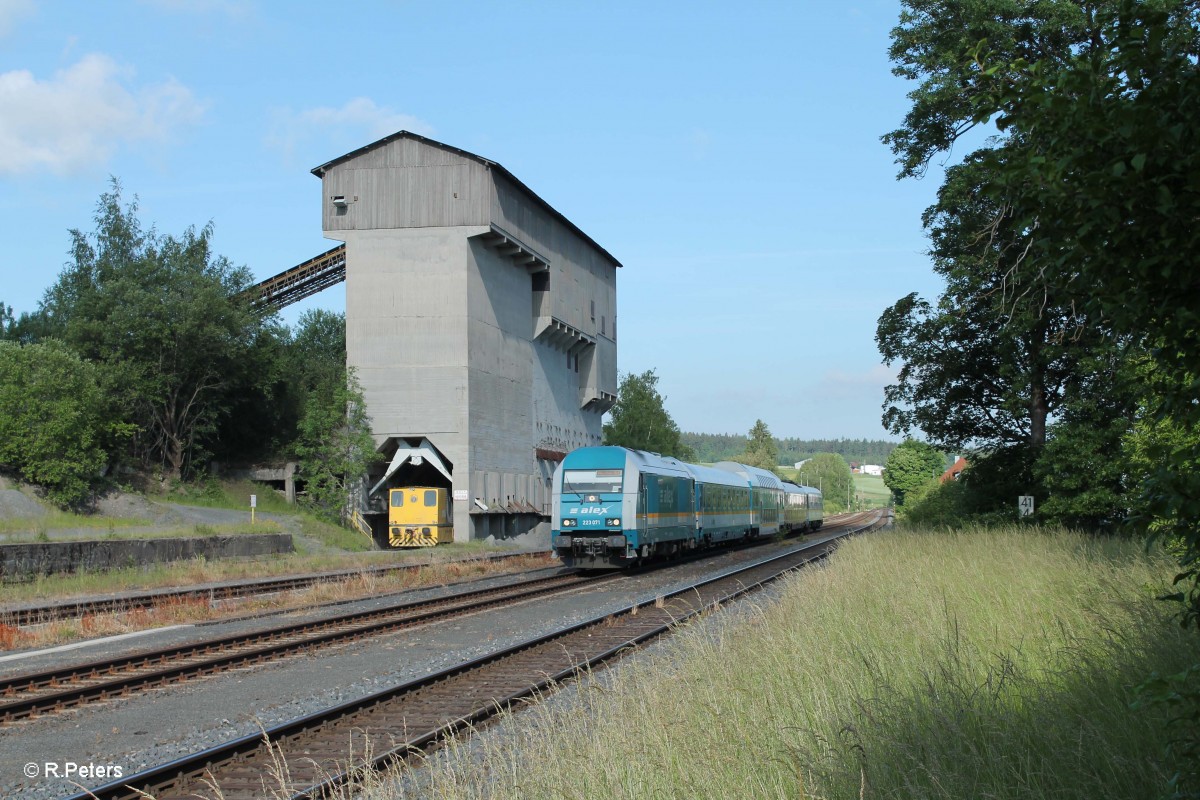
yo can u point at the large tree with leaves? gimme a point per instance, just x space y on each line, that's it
1097 104
831 474
761 450
166 318
911 465
980 367
640 421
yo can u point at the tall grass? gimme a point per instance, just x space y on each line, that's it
982 663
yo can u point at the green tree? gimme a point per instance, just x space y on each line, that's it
166 318
317 352
1096 105
761 450
640 421
910 465
935 44
56 425
980 368
335 447
831 474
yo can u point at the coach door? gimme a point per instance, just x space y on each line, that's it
642 525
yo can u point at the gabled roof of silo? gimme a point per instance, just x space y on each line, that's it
487 162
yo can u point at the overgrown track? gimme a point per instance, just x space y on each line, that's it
38 693
404 719
53 612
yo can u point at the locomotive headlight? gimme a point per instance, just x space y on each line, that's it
568 523
613 522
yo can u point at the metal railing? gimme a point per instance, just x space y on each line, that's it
301 281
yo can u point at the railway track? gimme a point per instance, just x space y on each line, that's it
33 694
322 750
24 616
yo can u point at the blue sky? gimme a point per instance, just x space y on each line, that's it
727 155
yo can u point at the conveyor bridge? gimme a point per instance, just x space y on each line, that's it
301 281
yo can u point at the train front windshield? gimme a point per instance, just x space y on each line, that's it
592 481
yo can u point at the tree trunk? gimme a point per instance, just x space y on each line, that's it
1038 411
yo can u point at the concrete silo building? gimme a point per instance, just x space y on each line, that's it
481 324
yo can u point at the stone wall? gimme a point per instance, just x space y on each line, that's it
20 561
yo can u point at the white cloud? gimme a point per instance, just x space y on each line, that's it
10 12
78 119
358 122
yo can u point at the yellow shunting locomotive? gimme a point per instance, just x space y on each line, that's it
419 516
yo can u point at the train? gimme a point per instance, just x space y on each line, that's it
419 516
613 507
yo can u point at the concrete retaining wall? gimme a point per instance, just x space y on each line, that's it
19 561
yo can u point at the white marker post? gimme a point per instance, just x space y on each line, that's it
1025 505
253 505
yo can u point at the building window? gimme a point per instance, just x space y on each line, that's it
602 325
593 311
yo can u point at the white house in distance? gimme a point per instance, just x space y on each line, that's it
871 469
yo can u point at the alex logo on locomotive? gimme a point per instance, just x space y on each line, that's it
588 510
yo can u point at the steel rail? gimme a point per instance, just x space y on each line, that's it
25 616
315 766
32 694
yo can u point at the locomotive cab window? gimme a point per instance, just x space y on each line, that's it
430 498
584 481
397 498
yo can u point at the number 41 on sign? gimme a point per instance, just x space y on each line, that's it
1025 505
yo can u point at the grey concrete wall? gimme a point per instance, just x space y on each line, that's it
442 326
19 561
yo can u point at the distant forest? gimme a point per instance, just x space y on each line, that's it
711 447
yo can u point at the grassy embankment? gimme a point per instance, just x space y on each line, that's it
321 546
997 664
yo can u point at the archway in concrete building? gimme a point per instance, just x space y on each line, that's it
409 461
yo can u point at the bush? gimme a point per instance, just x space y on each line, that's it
935 504
54 420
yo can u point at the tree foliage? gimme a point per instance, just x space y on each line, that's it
978 368
163 315
831 474
640 421
710 447
1096 165
335 447
761 450
910 465
56 424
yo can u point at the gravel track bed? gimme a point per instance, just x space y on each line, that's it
52 658
512 730
161 725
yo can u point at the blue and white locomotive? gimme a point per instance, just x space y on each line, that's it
613 507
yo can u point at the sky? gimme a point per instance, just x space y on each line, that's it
728 155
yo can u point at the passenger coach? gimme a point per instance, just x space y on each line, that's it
613 507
